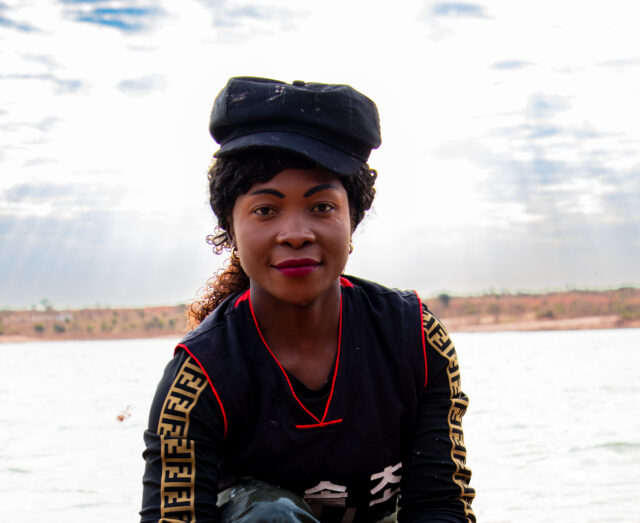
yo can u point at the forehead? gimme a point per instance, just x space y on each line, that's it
295 180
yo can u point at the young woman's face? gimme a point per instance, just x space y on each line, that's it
292 234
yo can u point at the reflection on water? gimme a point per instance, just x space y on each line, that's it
552 431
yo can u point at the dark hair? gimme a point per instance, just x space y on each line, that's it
233 175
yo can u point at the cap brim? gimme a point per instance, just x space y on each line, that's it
324 155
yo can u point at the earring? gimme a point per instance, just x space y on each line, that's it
350 247
234 252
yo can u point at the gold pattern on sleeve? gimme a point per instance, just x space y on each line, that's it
178 452
437 337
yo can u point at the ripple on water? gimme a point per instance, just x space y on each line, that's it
619 447
16 470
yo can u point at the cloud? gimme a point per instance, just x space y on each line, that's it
107 13
47 60
99 255
557 173
543 129
36 192
64 201
12 24
33 162
510 65
623 62
440 17
545 106
61 85
251 16
548 219
143 85
45 125
458 10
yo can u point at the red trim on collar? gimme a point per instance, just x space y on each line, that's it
345 283
424 345
318 425
320 422
243 297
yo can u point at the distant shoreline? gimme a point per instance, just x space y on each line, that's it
453 325
570 310
31 339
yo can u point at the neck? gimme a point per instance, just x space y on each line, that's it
304 338
302 324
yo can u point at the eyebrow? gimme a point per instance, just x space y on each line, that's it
318 188
310 192
269 191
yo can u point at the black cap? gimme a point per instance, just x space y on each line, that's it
331 124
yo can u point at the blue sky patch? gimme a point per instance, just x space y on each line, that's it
128 19
249 11
12 24
458 9
140 86
510 65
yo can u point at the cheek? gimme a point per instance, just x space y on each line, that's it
341 237
249 245
240 232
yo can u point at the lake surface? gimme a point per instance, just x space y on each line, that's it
553 430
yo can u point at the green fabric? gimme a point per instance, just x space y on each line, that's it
258 502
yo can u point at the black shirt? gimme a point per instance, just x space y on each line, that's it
387 423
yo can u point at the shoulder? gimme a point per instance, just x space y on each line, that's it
218 320
436 336
220 333
390 319
219 346
393 310
379 295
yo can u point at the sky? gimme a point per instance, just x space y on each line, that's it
510 157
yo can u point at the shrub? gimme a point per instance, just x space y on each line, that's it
545 314
155 323
444 299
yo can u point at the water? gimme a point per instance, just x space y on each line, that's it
553 431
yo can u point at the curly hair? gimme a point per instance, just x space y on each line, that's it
233 175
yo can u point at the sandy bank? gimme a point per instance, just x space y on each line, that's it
489 325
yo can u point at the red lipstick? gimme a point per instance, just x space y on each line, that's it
296 268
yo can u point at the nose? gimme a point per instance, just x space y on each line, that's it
295 232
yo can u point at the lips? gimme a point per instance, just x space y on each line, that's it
296 268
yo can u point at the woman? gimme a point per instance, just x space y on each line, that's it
303 394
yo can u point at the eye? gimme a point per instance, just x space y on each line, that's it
323 207
263 210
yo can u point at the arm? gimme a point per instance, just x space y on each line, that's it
435 482
183 447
